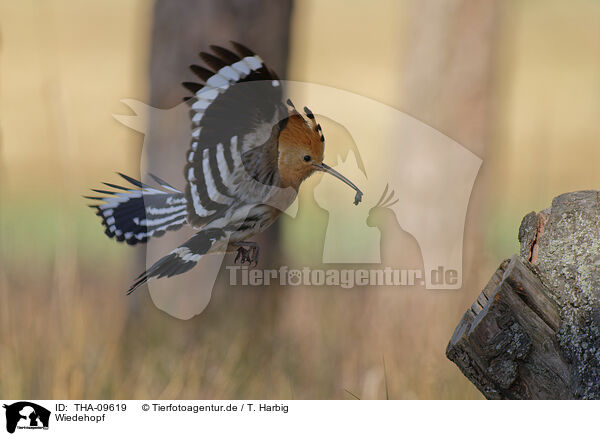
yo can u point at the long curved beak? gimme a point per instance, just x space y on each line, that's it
327 169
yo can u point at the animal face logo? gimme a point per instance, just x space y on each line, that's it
26 415
416 183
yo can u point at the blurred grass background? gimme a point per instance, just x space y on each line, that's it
66 328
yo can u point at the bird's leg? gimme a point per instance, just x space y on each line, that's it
245 254
254 254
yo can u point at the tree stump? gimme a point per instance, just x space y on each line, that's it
534 331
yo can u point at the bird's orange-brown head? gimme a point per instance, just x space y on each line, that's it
300 147
301 151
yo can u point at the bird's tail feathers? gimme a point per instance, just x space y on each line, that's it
134 214
182 258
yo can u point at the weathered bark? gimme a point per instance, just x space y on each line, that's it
533 333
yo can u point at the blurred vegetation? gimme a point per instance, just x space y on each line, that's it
68 331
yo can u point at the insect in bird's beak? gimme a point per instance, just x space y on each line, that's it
327 169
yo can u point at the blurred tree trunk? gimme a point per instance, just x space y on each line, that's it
448 67
447 83
184 28
181 30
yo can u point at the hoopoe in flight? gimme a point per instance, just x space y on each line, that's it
249 153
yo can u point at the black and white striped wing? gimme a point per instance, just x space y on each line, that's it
237 109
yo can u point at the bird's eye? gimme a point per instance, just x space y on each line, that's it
307 158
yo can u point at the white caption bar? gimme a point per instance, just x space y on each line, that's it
295 417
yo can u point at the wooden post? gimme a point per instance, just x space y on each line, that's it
534 331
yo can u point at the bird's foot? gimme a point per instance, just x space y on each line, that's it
247 253
243 255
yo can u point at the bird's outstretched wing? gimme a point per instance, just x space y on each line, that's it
237 109
182 258
134 214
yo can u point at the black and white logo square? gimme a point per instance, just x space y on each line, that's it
26 415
